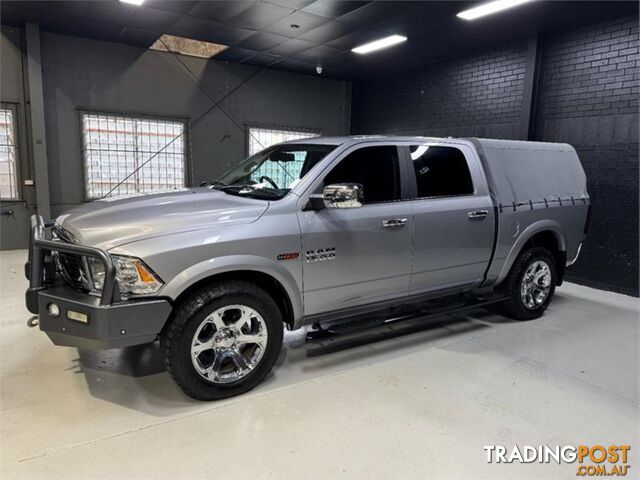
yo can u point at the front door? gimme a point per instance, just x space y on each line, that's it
358 256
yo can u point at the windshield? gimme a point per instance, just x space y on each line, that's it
273 172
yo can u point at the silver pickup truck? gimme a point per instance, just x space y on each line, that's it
309 233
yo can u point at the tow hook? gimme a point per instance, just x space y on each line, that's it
33 322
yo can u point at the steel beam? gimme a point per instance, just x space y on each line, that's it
36 108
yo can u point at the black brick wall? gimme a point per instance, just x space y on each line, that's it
587 96
479 95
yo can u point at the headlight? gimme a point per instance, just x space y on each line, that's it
134 277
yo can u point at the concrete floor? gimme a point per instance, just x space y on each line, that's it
418 405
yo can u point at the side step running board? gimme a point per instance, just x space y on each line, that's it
336 329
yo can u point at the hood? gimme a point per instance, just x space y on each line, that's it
116 221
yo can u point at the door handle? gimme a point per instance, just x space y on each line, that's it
394 222
478 213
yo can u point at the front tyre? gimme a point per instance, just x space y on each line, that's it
530 284
222 340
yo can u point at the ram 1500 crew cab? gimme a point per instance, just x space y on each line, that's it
307 232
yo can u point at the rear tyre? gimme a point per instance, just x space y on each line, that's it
222 340
530 285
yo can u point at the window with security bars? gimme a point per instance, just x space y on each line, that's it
8 155
132 155
261 138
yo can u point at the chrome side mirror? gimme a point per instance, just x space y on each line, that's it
343 195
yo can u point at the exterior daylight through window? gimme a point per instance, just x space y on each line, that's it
115 146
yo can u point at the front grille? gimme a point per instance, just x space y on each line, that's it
72 267
73 270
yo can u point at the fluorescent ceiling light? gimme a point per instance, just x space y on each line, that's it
133 2
187 46
379 44
489 8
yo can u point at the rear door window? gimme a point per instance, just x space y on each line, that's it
440 171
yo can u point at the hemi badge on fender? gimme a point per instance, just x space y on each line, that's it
288 256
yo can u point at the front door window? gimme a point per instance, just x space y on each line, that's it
375 168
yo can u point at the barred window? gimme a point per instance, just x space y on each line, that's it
149 151
8 150
261 138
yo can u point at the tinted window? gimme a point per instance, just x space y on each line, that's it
440 171
376 168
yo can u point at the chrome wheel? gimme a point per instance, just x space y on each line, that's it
536 284
229 344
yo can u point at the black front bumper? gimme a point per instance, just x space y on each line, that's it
107 326
83 320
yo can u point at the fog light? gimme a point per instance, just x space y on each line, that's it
77 316
53 309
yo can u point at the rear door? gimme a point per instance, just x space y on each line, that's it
453 217
358 256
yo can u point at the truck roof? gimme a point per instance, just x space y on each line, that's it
496 143
353 139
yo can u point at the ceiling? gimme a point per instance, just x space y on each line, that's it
297 35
